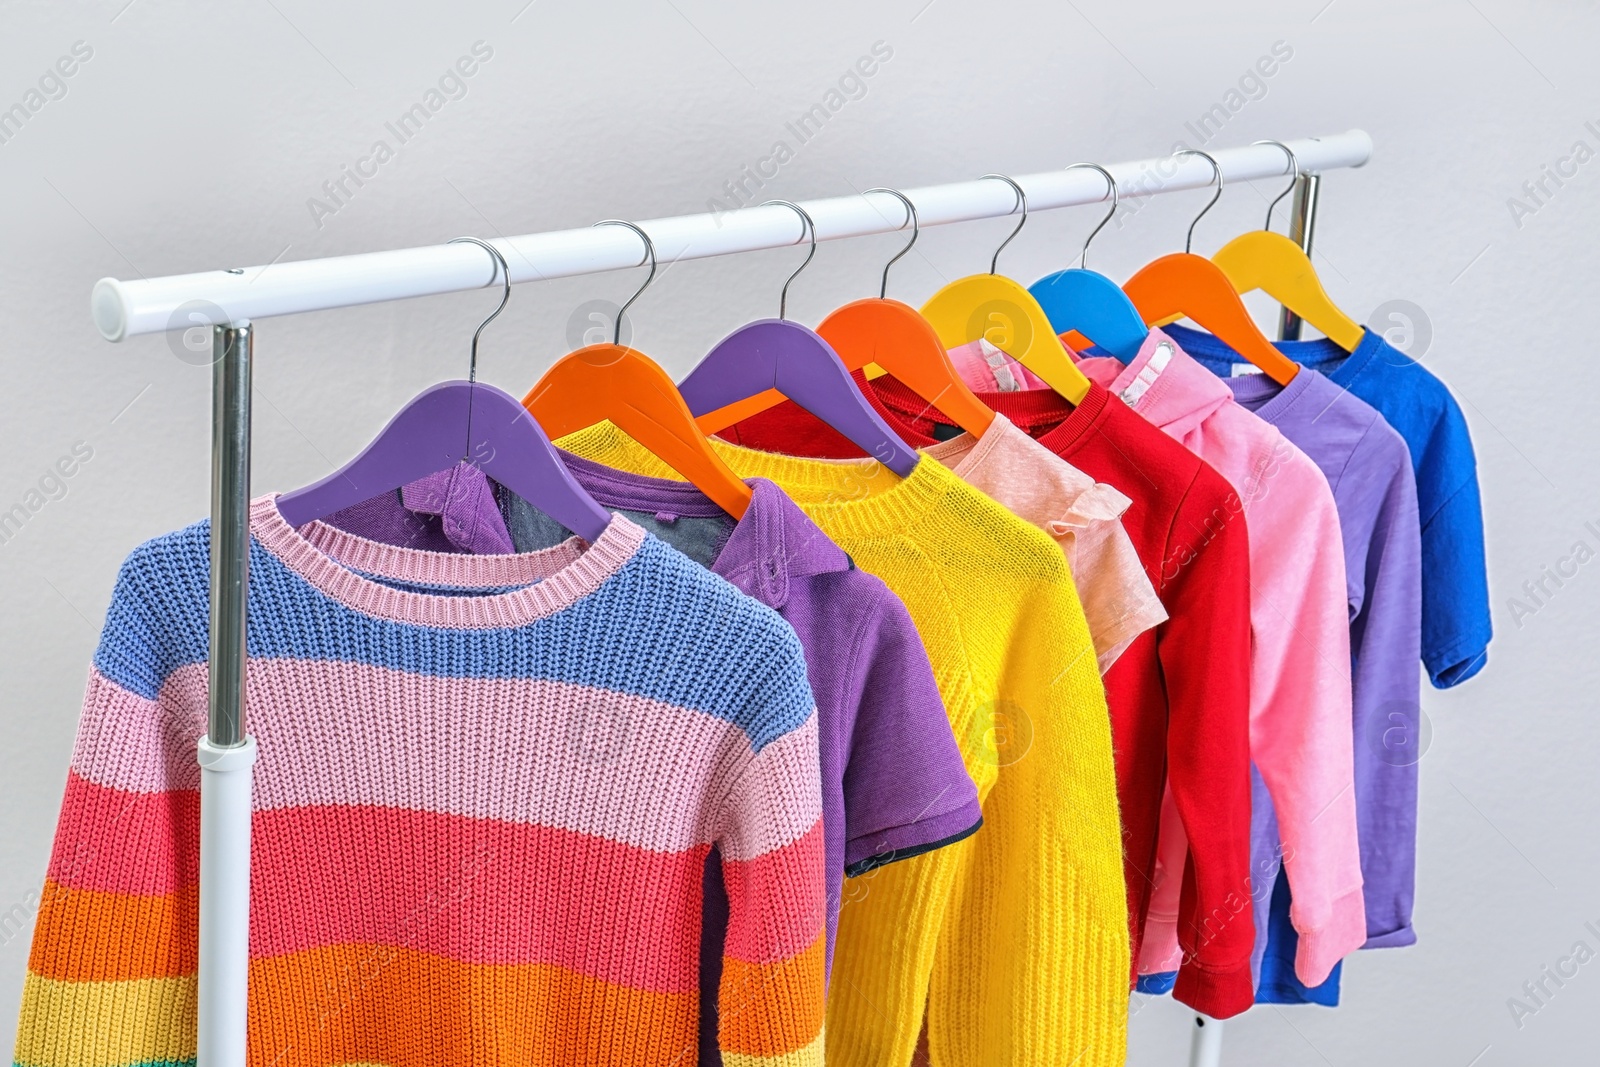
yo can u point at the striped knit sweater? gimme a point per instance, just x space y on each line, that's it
486 791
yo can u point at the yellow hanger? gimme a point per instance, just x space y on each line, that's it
1280 268
1004 313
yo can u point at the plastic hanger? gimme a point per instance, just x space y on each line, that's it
887 335
615 382
777 354
1184 285
426 436
1001 311
1087 305
1280 268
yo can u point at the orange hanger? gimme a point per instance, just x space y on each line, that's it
1276 265
896 338
615 382
1184 285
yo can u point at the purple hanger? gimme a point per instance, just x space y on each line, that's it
427 437
798 363
446 424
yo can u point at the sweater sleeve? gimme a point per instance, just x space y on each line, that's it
1205 657
773 861
1300 728
112 972
1385 636
1032 963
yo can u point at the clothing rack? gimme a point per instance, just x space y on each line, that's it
230 300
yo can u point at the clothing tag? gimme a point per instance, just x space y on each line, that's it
1239 370
945 432
1148 373
1000 366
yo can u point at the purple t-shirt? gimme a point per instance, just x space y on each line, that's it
452 511
893 782
1368 467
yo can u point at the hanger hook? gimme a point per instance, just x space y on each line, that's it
1294 167
650 251
502 271
1022 199
1083 256
809 228
916 229
1188 242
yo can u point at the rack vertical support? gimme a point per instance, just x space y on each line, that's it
1302 221
227 753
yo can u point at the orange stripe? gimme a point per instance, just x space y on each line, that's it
773 1008
403 1008
84 935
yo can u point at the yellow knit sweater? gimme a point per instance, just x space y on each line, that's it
1015 939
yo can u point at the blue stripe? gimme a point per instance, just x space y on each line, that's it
661 627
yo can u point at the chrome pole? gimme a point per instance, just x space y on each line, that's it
230 528
1302 221
227 754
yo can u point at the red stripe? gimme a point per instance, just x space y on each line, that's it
113 841
475 891
777 902
338 875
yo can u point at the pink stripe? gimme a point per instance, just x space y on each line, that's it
777 798
776 903
109 840
475 892
565 574
128 743
606 764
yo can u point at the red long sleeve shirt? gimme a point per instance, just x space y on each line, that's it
1179 696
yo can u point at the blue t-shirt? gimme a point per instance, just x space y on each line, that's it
1455 586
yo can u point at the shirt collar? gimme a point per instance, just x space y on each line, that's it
773 542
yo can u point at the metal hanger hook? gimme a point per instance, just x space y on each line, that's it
916 229
809 230
1188 242
650 251
1022 200
503 272
1294 168
1083 256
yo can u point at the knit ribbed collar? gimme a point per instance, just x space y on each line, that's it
331 560
772 543
847 498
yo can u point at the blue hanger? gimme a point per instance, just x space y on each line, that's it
1088 302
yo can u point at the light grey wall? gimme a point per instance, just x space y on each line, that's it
195 134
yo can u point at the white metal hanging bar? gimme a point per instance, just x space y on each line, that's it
154 305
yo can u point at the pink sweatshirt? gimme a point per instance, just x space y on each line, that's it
1300 711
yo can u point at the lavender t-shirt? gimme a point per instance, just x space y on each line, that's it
1368 467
